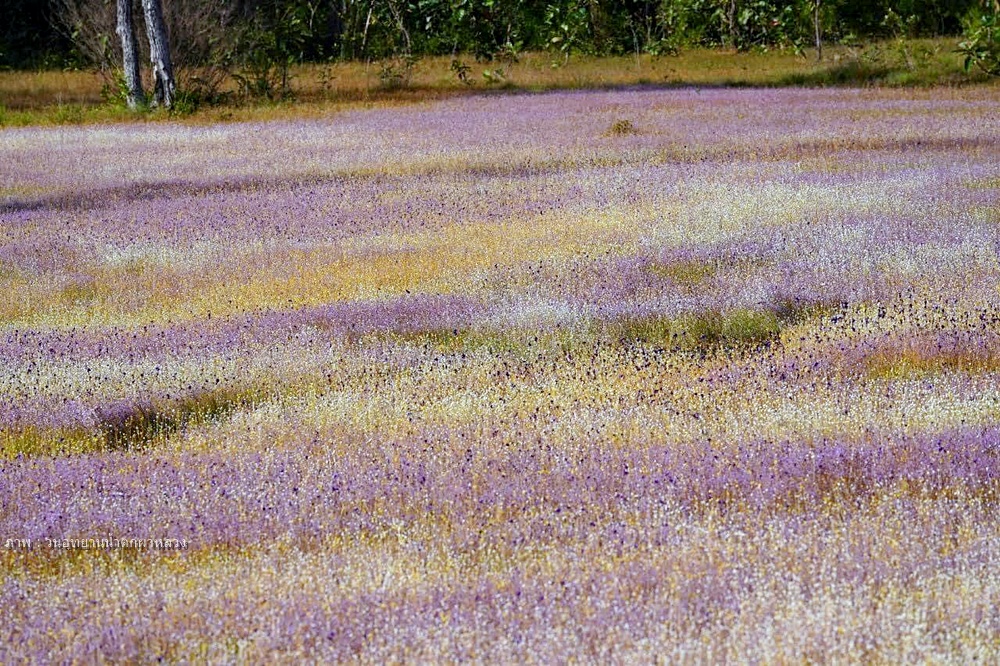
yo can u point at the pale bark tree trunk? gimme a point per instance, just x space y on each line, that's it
134 95
159 53
819 29
397 15
731 18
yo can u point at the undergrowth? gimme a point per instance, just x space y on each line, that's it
46 98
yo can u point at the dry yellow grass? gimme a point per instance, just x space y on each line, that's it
76 96
32 90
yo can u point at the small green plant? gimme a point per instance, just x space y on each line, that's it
3 115
114 91
395 73
461 71
185 103
327 77
662 47
68 114
508 54
264 73
496 75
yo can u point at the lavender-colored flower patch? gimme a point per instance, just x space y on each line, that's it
686 375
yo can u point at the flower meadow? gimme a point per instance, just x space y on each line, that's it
685 375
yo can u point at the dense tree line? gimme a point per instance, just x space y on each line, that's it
27 37
258 39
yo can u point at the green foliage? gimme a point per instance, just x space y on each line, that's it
568 27
495 75
270 43
114 92
69 114
186 102
682 23
763 23
703 331
485 28
395 73
27 39
461 71
981 46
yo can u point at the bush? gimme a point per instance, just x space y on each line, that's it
981 47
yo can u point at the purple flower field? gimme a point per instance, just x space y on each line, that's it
488 379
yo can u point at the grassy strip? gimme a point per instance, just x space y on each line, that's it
135 425
129 426
59 98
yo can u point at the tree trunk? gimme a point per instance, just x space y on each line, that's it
731 19
134 95
159 53
819 30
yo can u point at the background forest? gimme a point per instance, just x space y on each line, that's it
257 36
238 51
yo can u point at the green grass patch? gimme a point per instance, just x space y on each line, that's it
899 62
984 184
693 332
83 293
688 273
141 424
850 72
703 331
33 441
69 114
696 272
129 426
517 343
914 364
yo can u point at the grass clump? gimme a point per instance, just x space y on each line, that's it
687 273
702 331
622 127
516 343
128 426
35 441
69 114
739 328
745 326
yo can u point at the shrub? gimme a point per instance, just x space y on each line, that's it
981 47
